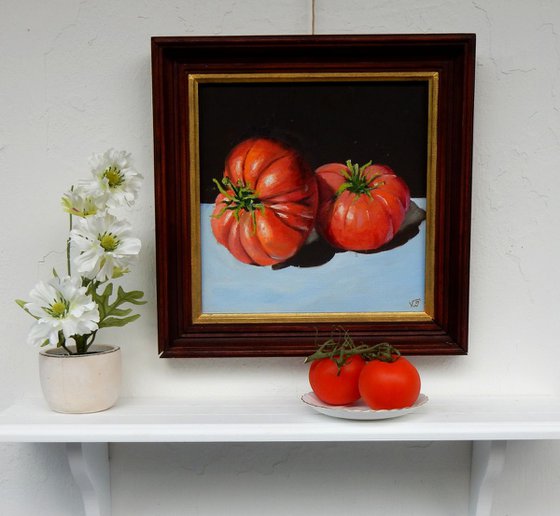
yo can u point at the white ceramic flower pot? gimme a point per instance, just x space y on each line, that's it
79 384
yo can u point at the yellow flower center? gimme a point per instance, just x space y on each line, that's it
89 209
114 176
109 242
58 309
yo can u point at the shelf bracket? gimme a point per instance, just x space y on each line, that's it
487 464
89 463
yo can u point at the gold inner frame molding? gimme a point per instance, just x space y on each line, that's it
198 317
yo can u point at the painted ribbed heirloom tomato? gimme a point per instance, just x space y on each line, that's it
336 384
267 202
360 208
389 384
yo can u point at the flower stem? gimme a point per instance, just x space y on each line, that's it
68 250
93 335
81 345
66 349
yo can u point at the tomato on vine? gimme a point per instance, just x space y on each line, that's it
391 384
334 384
341 372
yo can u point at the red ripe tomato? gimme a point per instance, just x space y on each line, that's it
333 386
267 202
360 208
389 385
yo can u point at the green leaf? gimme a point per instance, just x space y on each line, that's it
102 300
111 313
120 312
114 321
108 292
61 340
22 303
134 297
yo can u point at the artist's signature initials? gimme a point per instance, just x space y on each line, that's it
414 303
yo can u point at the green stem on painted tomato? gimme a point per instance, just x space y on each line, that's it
239 198
357 181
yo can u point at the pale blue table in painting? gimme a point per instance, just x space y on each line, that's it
388 281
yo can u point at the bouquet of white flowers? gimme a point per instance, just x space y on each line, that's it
76 306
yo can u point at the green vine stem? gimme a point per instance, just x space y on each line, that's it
340 350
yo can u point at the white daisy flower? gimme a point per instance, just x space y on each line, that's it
106 247
80 203
61 305
114 177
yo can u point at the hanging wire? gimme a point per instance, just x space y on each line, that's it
312 17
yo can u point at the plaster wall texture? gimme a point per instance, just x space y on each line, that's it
75 79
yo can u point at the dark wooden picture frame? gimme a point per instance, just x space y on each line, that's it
181 64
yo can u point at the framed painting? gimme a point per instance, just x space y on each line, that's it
309 183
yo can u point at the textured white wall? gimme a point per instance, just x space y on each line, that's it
75 79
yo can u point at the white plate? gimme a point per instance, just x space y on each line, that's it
359 410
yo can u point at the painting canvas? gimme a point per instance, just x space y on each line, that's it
309 183
382 119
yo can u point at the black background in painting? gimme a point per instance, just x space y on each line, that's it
386 122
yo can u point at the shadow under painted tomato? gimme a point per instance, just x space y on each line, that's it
409 229
313 254
318 252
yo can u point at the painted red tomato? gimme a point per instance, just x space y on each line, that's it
360 208
389 385
333 385
267 202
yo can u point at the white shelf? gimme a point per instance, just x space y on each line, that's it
488 422
281 419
